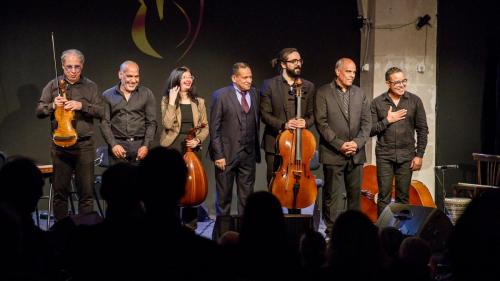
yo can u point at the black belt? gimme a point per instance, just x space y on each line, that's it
130 139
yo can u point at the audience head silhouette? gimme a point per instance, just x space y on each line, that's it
119 188
390 240
312 249
355 241
22 184
474 245
162 176
263 220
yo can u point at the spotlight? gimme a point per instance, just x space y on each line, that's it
423 21
360 22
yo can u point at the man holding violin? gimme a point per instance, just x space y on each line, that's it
78 158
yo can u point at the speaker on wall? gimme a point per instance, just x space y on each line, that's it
430 224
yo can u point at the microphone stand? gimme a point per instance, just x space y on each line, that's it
443 190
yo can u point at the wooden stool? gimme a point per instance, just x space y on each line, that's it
47 172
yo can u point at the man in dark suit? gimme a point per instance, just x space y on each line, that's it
343 120
234 143
278 103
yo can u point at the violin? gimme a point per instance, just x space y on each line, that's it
293 183
196 188
64 135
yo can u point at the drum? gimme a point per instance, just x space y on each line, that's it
455 206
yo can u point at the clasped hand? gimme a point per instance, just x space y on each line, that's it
349 148
68 104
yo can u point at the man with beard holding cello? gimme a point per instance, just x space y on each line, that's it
278 105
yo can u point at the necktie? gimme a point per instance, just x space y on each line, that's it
244 103
345 103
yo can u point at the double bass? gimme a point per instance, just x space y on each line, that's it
418 193
196 184
293 183
64 135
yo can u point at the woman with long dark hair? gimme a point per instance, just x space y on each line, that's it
181 110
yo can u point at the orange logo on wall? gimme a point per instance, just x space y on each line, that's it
139 28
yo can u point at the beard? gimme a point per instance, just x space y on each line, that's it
295 73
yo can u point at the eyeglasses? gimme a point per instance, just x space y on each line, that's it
402 82
295 61
73 67
188 77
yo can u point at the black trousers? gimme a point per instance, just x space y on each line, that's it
272 166
339 179
243 171
386 171
78 160
131 147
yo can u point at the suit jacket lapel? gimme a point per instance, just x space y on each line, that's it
254 103
235 102
283 97
196 116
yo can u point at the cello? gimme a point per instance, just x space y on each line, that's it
196 188
418 193
64 135
293 183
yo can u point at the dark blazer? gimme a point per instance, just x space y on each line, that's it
275 112
333 125
225 124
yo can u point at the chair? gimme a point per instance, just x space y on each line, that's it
314 165
488 175
101 160
316 212
488 169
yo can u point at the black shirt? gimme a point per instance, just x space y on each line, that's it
84 91
187 118
135 118
396 141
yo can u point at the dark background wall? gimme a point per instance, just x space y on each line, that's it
230 31
252 31
468 92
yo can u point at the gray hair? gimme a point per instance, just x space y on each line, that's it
126 63
239 65
73 52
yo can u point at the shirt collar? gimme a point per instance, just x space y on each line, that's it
238 90
387 97
80 81
117 89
